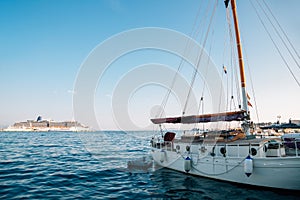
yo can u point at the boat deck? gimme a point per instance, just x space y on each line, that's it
276 145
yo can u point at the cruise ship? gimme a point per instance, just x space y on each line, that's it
47 125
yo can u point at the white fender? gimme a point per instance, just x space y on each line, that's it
187 164
248 166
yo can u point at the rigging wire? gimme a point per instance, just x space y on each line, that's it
224 70
202 23
233 60
200 58
166 98
251 83
227 89
208 8
230 66
279 35
201 100
205 73
220 96
277 22
277 48
208 60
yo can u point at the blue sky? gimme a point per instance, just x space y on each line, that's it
44 43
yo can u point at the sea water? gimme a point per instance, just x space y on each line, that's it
93 165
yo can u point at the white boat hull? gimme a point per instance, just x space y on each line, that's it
275 172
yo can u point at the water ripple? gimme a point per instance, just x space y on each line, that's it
94 166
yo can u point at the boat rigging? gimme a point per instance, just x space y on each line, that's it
232 155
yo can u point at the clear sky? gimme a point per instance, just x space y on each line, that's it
43 44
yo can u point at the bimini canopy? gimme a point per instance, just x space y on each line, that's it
226 116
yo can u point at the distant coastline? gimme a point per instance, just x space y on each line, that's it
41 125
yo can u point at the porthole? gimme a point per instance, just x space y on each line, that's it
253 151
188 148
223 150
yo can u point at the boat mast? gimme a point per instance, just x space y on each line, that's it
240 56
241 64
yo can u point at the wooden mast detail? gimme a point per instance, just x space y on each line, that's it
240 56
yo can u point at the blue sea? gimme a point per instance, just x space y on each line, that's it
93 165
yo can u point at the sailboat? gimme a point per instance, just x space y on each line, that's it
229 155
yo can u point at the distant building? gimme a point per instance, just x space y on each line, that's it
295 121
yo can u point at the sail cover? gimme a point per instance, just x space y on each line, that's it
226 116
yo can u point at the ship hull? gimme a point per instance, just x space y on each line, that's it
274 172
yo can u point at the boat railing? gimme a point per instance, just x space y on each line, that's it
292 147
276 149
269 149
